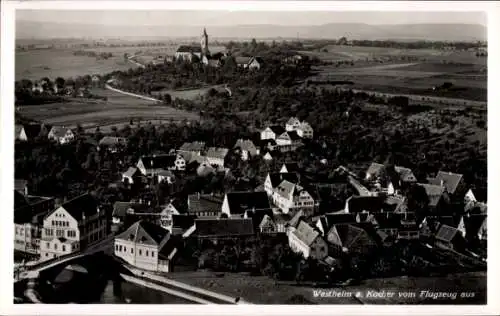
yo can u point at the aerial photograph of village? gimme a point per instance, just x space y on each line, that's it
236 157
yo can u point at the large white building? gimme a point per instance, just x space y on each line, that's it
290 197
72 227
146 246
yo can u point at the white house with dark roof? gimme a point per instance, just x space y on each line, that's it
289 138
292 124
271 132
305 130
274 179
188 53
146 246
61 135
290 197
131 175
308 241
72 227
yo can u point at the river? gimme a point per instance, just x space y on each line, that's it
136 294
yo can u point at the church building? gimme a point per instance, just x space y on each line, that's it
193 53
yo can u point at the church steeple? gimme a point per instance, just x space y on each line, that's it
204 43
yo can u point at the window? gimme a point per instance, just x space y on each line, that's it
131 250
147 253
140 252
60 233
116 247
120 248
48 245
55 246
63 247
152 254
46 254
124 249
53 223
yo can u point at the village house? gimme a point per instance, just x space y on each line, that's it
204 205
305 130
347 238
113 144
246 148
152 165
216 230
437 195
131 176
29 132
325 222
95 80
242 61
147 246
273 180
61 135
453 182
271 132
72 227
182 223
194 148
291 139
267 225
290 197
188 53
216 156
167 214
449 237
122 209
166 176
268 156
476 195
370 204
235 204
389 181
306 240
255 63
29 212
292 124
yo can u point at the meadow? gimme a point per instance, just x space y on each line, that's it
53 63
117 111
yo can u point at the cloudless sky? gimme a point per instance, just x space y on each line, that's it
218 18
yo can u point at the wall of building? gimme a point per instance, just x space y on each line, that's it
137 254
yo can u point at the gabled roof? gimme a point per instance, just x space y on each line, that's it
227 227
330 219
387 220
405 174
278 177
282 218
203 202
32 130
266 220
130 172
345 235
112 141
305 126
277 129
193 147
145 233
291 167
293 121
476 207
59 131
83 205
434 192
246 144
446 233
215 152
158 161
450 180
292 135
306 233
189 49
183 221
257 59
239 202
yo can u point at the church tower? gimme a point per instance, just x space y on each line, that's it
204 43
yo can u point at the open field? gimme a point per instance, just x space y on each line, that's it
188 94
118 109
336 53
54 63
263 290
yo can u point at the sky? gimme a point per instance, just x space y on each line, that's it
223 18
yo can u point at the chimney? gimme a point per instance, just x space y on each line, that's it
26 189
442 183
198 194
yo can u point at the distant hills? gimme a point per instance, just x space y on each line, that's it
357 31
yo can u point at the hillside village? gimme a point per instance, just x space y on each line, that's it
238 202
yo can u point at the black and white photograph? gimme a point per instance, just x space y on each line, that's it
246 157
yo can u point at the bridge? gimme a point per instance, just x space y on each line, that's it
35 269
